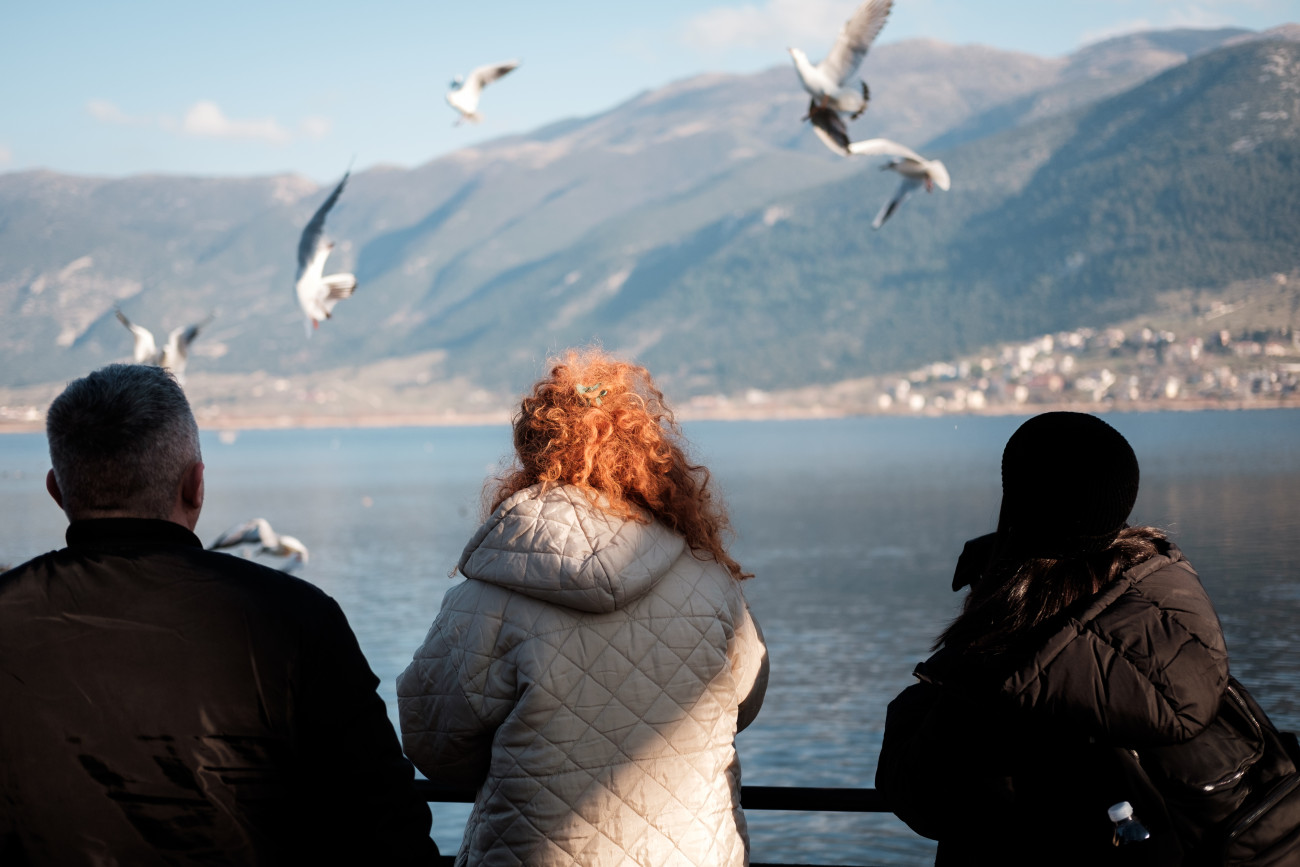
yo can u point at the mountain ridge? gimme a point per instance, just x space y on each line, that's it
598 227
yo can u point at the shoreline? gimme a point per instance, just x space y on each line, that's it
309 421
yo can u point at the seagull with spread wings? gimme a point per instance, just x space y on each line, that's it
258 532
318 292
466 89
175 353
828 81
915 169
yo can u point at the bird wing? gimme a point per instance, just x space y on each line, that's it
145 350
256 531
884 146
178 342
485 75
939 174
315 228
830 128
904 190
290 545
854 39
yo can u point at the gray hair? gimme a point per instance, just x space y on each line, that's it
121 439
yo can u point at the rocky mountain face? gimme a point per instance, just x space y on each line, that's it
702 227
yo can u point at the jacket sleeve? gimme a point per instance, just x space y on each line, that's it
750 666
458 689
936 772
363 793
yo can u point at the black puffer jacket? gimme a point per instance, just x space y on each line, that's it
1015 760
163 704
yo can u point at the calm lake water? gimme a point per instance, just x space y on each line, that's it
852 527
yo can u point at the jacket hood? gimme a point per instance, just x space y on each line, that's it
556 546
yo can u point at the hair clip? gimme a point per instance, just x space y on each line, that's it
584 390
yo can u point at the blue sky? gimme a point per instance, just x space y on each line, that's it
244 88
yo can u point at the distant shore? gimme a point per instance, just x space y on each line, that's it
293 421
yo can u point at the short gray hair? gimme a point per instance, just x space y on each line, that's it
121 439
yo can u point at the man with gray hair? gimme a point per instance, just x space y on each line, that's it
163 704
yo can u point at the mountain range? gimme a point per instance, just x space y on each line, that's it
703 229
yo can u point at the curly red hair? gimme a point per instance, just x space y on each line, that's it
601 424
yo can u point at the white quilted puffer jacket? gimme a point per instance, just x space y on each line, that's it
589 679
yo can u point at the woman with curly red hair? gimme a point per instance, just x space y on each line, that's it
590 675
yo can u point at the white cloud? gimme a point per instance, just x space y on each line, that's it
103 110
809 24
315 127
205 119
6 156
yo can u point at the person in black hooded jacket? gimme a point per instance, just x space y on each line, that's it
1082 640
163 704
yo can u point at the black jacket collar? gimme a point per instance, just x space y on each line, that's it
110 533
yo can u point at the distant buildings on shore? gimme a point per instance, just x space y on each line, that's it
1144 368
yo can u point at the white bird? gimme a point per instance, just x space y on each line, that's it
258 532
175 353
466 89
317 293
914 168
827 82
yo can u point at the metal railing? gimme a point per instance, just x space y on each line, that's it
795 798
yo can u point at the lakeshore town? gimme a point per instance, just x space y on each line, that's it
1220 357
1238 349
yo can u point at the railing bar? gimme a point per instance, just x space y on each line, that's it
450 861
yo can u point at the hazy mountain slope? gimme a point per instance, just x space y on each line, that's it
700 226
424 242
1188 180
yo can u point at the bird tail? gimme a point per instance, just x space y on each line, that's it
885 213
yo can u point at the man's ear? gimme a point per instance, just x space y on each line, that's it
189 499
192 487
52 485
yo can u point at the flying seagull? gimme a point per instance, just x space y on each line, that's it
318 294
175 353
915 169
258 532
466 89
828 81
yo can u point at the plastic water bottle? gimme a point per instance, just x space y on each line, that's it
1127 828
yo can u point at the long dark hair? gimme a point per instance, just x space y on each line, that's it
1015 595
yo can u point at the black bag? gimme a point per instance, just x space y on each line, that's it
1232 793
